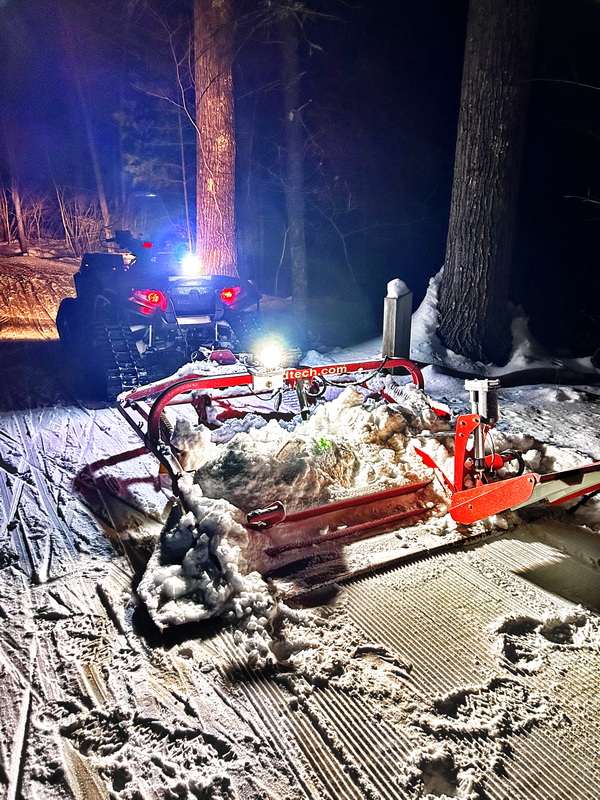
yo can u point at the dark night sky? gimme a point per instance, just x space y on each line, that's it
382 92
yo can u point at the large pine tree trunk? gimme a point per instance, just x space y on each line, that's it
294 185
215 176
184 186
474 289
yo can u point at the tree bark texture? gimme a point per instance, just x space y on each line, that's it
5 227
247 215
215 171
473 302
294 184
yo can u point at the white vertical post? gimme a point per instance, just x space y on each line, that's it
397 315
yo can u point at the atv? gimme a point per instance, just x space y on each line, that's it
142 313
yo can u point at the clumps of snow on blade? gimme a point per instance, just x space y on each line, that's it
198 571
204 564
191 444
207 368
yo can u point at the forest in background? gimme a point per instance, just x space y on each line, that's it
380 90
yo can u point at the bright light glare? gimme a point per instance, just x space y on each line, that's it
191 264
270 356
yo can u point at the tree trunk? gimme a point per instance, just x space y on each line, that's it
215 176
294 185
102 201
16 200
10 137
184 186
247 215
5 216
76 70
474 289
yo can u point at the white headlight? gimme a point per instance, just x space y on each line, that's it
270 356
191 264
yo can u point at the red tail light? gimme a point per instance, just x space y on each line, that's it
149 300
230 294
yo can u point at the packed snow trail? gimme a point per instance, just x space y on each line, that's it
471 674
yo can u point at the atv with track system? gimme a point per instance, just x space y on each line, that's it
140 314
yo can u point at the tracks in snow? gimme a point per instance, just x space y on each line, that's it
46 453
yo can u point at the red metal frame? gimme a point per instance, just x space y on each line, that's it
164 392
293 531
463 451
348 532
485 499
290 376
470 503
275 514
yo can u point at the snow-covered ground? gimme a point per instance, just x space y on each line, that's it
142 661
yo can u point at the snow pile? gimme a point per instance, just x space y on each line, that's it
526 353
198 571
191 444
207 368
204 564
348 443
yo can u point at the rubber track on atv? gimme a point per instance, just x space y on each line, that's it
122 362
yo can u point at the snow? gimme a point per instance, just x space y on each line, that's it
191 444
205 564
348 444
526 353
194 572
523 641
146 657
397 288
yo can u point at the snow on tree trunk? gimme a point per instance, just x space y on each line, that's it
474 290
215 171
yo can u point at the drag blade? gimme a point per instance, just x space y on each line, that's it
475 504
364 527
